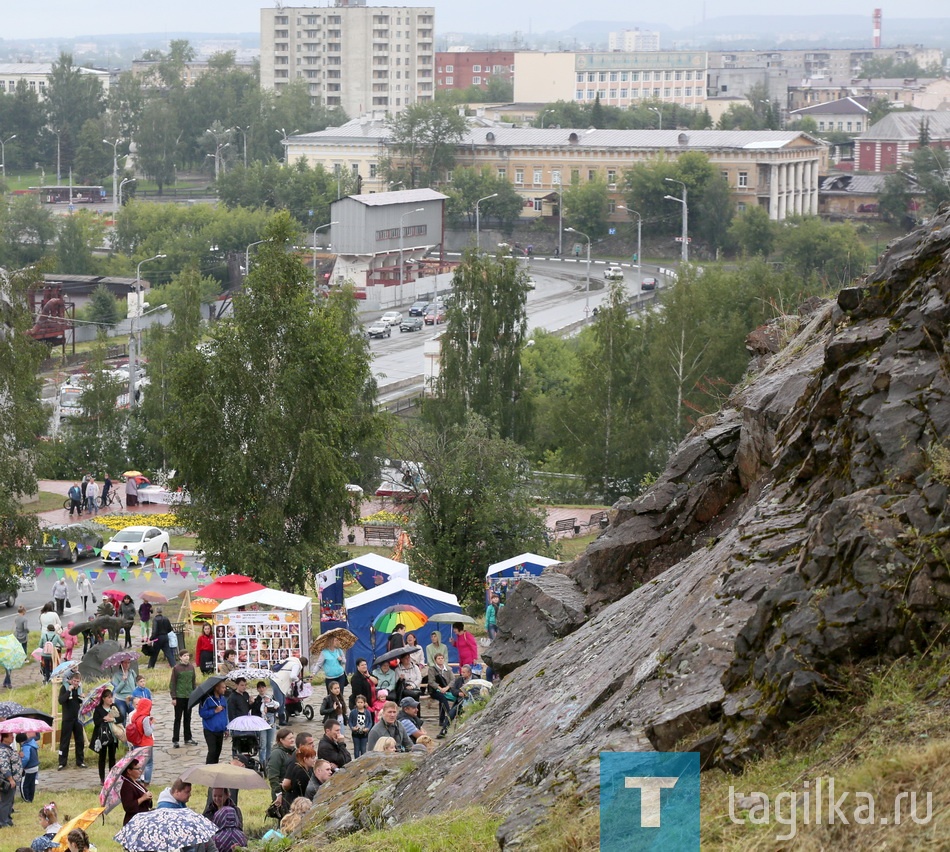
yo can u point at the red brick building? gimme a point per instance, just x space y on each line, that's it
884 146
460 69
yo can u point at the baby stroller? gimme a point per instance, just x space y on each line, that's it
294 704
246 748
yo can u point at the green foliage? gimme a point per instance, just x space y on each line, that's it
72 99
639 117
889 66
21 417
27 230
753 232
586 207
485 331
157 143
476 507
498 90
468 186
269 418
895 198
423 140
79 235
102 307
833 253
931 168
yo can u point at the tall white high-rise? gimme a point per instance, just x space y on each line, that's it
635 39
361 58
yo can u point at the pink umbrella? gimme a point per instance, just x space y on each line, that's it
111 793
91 702
21 725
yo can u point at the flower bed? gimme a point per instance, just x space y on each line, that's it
382 518
166 521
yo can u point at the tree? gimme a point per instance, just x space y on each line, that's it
754 232
895 197
468 186
157 143
485 330
832 252
21 417
270 414
72 99
102 307
586 206
78 236
28 230
473 505
423 139
931 168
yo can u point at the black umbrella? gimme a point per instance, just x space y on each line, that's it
395 654
31 713
204 689
91 666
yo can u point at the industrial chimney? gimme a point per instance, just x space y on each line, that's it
876 28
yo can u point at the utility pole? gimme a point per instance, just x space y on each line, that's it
684 253
115 177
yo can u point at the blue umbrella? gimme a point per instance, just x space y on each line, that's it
165 830
62 668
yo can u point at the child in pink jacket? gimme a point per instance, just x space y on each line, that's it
68 640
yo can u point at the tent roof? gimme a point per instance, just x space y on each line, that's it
532 558
229 586
375 562
267 597
396 585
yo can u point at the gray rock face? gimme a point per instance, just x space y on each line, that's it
802 527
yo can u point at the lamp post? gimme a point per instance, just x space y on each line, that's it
544 114
133 348
684 254
217 157
58 178
243 131
123 183
478 245
639 229
560 221
659 113
3 153
587 290
328 224
115 177
401 268
247 257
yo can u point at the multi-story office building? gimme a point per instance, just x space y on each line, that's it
357 57
36 77
460 69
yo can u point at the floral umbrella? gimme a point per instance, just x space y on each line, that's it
8 709
247 724
22 725
12 655
250 673
165 830
91 702
111 793
62 668
118 658
387 620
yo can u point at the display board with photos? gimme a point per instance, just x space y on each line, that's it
262 638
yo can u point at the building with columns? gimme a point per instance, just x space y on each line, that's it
774 169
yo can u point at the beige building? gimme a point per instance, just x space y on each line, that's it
776 170
832 62
357 57
36 77
618 78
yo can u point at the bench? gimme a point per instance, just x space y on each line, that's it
597 519
378 534
567 525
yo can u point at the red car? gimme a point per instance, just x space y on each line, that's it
435 315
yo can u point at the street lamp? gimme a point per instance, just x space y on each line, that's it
3 153
124 182
544 114
478 245
58 178
684 254
587 291
328 224
560 220
639 229
659 113
247 257
243 131
401 269
133 354
217 157
115 177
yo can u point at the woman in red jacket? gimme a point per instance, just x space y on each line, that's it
465 644
204 649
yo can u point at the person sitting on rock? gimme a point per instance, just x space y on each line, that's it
409 718
332 745
388 726
457 692
409 679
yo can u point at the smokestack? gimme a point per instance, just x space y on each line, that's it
876 29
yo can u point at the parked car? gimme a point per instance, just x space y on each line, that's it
379 329
391 318
613 273
143 542
435 315
648 284
418 309
68 543
411 324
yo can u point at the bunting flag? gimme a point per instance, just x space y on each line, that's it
60 573
97 551
164 576
111 575
72 573
93 575
148 574
39 569
136 572
124 574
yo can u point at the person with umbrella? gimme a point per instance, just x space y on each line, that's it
30 760
181 684
135 795
104 717
131 492
332 660
123 684
70 699
140 732
11 770
214 720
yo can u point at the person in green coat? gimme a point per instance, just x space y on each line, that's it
181 685
491 616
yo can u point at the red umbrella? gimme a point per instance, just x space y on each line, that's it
229 586
114 594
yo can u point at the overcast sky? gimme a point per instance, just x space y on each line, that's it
68 18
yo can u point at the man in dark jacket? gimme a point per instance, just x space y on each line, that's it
332 745
388 726
70 699
161 627
181 685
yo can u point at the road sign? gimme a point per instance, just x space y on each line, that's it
680 239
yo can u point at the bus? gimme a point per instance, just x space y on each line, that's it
70 194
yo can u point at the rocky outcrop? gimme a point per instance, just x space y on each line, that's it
802 527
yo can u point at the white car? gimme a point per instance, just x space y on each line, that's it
613 273
391 318
142 542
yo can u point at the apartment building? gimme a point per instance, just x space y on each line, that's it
832 62
619 79
635 39
461 69
36 76
357 57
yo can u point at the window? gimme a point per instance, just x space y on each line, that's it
623 94
449 69
575 176
689 75
656 77
476 81
667 75
679 75
538 174
519 177
579 95
613 94
740 207
476 69
656 93
677 92
689 91
602 77
821 125
502 174
591 174
539 205
580 78
857 126
601 93
613 76
743 179
611 206
590 77
624 75
635 77
849 127
556 177
373 168
666 91
611 175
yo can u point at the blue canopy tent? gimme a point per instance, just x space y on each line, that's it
371 569
503 576
362 610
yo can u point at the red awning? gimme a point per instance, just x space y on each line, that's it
229 586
